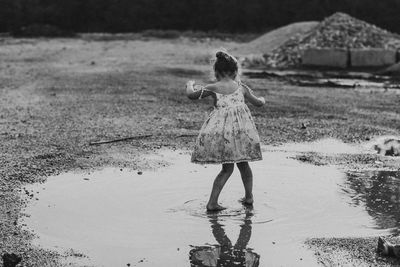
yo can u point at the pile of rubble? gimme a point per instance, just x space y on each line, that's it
337 31
273 39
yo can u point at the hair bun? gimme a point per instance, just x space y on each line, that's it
220 54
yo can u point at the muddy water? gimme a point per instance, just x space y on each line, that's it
379 192
158 218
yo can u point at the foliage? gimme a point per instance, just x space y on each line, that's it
234 16
41 30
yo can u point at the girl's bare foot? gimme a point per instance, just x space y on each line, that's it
247 201
215 207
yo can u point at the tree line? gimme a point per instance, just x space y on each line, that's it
233 16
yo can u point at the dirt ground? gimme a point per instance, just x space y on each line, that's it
59 95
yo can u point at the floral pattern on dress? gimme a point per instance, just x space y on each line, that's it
229 134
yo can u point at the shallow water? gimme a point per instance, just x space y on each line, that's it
158 218
379 192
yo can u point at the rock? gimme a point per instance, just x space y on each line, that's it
388 147
11 260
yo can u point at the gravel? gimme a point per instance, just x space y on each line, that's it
337 31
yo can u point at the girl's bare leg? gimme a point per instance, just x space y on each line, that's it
247 179
219 183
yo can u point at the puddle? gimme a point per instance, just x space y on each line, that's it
158 218
379 193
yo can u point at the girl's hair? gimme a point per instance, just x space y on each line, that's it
225 65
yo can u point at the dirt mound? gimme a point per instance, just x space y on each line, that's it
337 31
273 39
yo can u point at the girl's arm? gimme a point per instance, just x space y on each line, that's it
201 92
249 95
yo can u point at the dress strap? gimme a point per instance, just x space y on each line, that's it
246 87
201 93
202 90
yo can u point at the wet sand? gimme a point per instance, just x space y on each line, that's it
158 218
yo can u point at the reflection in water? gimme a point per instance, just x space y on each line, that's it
379 191
226 254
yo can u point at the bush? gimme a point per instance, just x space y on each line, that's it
41 30
163 34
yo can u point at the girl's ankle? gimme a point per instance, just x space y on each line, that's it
250 196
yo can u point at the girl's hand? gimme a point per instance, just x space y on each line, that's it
190 83
249 95
190 88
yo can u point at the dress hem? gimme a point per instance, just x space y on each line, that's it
226 161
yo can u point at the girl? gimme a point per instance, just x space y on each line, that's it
229 134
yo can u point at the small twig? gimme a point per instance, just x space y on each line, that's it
186 135
120 140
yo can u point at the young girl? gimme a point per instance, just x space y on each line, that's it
229 134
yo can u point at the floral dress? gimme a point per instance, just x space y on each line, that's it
229 134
